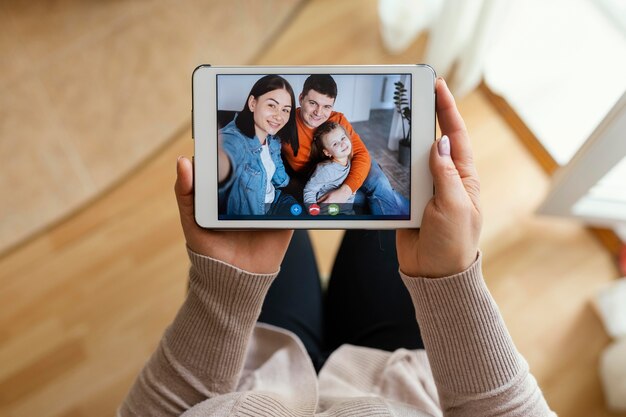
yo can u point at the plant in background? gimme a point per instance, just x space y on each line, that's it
402 107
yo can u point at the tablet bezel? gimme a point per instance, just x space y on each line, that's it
204 130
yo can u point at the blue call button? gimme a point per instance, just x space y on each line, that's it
296 209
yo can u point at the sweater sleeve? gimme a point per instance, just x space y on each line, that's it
313 185
202 353
477 369
361 161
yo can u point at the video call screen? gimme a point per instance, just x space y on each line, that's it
314 146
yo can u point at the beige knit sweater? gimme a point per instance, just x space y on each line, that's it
216 360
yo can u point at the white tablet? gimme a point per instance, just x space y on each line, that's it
323 147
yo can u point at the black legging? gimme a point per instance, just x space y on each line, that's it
366 303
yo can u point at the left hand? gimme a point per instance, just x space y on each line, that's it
259 252
339 196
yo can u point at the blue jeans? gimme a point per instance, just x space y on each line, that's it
380 197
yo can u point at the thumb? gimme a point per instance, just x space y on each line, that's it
184 186
449 189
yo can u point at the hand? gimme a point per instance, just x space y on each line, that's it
447 242
258 252
340 195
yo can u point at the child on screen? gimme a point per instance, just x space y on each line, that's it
331 152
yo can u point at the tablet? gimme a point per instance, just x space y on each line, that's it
321 147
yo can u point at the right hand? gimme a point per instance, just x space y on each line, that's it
447 242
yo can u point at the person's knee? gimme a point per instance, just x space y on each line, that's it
377 184
375 171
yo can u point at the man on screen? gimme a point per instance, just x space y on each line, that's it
316 107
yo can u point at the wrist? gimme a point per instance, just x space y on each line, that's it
210 264
347 190
449 267
204 261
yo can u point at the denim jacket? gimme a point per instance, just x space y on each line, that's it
245 187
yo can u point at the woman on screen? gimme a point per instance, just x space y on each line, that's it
251 171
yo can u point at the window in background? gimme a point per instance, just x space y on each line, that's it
561 65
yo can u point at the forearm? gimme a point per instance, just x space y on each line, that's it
477 369
230 156
223 165
202 353
360 167
361 161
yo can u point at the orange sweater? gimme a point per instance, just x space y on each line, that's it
360 160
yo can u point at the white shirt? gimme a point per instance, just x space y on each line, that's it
270 169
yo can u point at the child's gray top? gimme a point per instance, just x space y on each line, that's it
328 176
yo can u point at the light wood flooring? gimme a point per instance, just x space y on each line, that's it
89 89
84 304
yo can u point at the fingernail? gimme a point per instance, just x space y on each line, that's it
443 146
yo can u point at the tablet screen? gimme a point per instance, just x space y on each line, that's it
313 146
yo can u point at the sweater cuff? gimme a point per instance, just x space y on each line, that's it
216 321
467 342
206 266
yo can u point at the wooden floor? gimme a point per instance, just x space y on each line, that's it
85 303
90 89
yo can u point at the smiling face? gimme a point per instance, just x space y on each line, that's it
270 112
337 145
315 108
